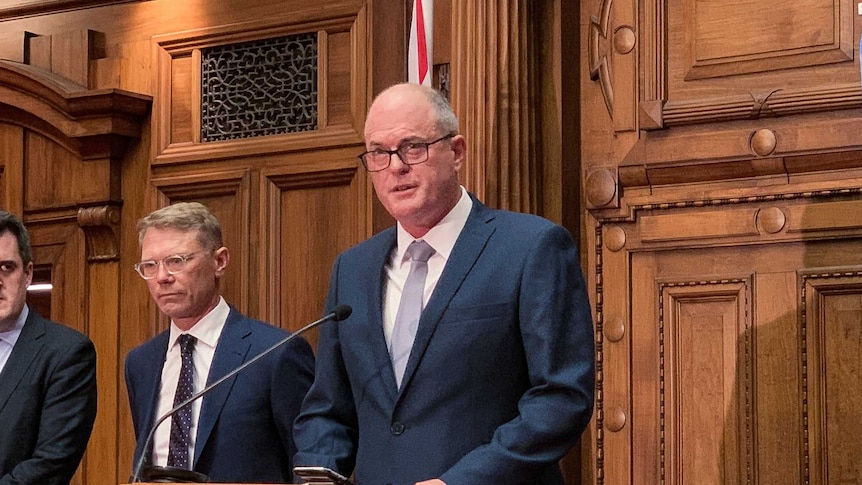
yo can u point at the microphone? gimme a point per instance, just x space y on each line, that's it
337 314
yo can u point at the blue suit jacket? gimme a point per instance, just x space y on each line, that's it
245 426
499 384
47 404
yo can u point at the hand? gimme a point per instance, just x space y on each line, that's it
436 481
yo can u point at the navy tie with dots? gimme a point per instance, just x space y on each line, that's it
181 422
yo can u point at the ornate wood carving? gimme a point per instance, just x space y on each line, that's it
599 415
341 50
615 238
746 161
763 142
101 227
259 88
767 104
601 188
599 62
771 220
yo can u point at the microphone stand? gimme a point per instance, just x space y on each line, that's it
337 314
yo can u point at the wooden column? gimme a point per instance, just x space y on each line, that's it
100 225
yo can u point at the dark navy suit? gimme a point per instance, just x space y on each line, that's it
47 404
499 384
244 431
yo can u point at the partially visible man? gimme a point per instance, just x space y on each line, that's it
468 358
242 431
47 377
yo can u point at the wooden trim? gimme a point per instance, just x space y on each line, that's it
31 8
768 104
90 123
349 17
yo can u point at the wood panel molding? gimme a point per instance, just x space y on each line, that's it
90 123
653 63
756 105
633 210
823 34
722 309
598 463
829 340
817 215
196 186
302 207
182 51
713 50
733 153
314 179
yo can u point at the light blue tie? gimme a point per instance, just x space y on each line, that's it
410 308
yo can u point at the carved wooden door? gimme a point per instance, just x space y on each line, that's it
722 155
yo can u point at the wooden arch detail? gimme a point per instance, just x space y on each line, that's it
93 124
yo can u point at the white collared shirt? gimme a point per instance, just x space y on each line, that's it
442 238
10 337
207 330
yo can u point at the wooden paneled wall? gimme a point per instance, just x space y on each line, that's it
100 121
722 167
125 140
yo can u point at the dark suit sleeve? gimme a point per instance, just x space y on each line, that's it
557 332
326 429
291 380
67 416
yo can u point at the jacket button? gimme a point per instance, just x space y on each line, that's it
396 428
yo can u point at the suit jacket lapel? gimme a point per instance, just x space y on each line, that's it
230 353
375 287
149 383
464 255
25 351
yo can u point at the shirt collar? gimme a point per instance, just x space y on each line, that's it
443 236
11 336
208 329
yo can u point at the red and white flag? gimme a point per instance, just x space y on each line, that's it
420 53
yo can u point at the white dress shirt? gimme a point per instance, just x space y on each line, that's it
442 238
9 337
207 331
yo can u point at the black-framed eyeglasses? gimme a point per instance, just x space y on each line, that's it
410 153
173 264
